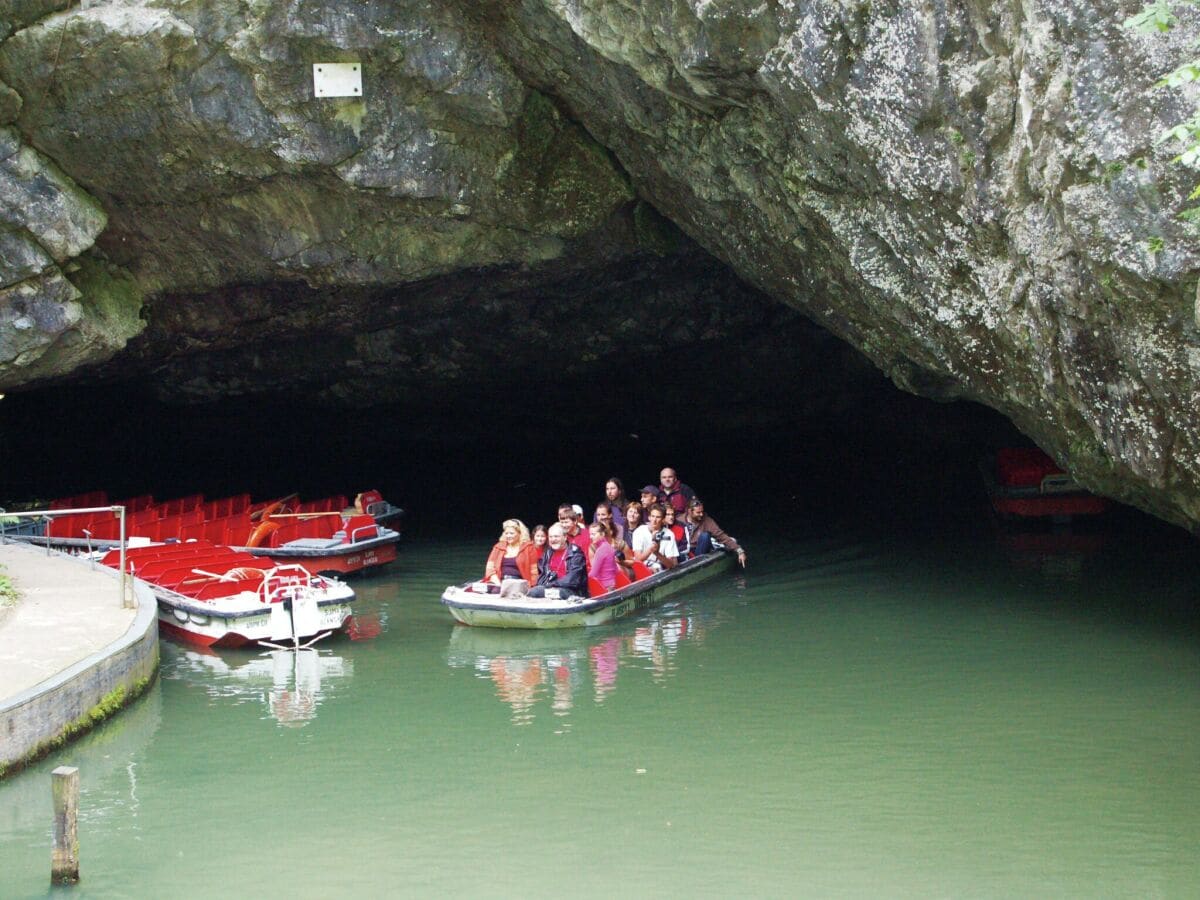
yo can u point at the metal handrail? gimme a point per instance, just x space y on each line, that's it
354 534
126 599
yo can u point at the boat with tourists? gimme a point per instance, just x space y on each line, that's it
215 596
1023 483
326 535
481 603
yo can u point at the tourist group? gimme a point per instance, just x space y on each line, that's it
662 528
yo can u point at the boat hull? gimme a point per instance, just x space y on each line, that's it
491 611
340 559
272 625
1049 494
344 559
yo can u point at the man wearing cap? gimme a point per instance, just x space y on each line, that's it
673 491
569 520
703 530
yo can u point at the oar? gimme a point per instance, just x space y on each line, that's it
257 514
308 515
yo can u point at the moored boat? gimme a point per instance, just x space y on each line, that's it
478 603
215 596
326 535
1025 483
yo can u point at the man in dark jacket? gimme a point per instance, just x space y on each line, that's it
562 566
674 492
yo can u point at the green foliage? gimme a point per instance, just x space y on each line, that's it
8 593
1154 244
1159 16
1156 16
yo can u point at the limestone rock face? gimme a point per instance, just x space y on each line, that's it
967 193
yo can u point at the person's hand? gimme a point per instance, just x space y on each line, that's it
742 557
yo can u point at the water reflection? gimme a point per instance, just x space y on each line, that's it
292 684
109 755
528 667
1059 552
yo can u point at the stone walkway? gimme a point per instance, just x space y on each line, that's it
67 612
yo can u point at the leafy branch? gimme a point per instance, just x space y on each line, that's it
1158 16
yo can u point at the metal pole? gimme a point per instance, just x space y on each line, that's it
126 600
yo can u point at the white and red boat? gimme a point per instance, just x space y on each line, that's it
1025 483
215 596
326 535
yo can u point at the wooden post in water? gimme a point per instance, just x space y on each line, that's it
64 862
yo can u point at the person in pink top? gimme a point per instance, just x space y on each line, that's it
602 559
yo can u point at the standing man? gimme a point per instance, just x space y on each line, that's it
673 491
653 543
563 566
703 530
569 520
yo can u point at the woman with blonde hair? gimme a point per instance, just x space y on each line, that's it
514 555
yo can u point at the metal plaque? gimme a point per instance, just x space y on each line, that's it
337 79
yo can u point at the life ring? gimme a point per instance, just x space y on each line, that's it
262 532
246 573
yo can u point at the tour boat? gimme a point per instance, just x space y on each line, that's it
326 535
215 596
1025 483
479 603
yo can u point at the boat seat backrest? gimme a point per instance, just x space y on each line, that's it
359 528
641 570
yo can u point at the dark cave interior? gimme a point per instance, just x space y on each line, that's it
757 408
901 462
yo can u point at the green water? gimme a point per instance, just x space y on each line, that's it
975 717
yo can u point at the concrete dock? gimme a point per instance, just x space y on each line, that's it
67 645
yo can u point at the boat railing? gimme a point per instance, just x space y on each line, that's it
287 582
354 538
47 515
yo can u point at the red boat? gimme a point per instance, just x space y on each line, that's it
326 535
1025 483
216 596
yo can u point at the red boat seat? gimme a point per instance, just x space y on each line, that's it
623 580
284 533
641 570
360 528
196 531
595 588
141 503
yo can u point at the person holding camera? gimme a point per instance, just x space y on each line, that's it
653 543
562 568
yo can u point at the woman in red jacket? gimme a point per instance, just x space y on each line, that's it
514 555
